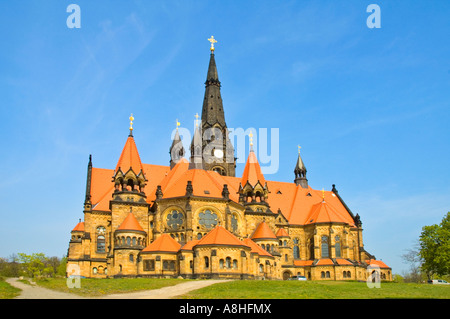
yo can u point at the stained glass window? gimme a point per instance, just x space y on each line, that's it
325 252
207 219
234 223
175 219
337 246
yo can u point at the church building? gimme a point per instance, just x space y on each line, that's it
196 219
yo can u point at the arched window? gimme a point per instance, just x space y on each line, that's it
235 264
228 262
337 246
199 236
234 223
261 268
311 251
325 251
134 241
322 274
296 252
94 270
131 257
206 262
101 243
221 262
327 274
128 241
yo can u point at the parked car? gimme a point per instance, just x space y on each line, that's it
438 282
303 278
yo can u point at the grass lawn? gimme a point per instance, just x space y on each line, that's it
7 291
100 287
248 289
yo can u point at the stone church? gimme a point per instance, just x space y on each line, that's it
195 219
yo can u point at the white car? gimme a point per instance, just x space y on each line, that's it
438 282
303 278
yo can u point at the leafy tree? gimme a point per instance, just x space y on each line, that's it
435 248
36 264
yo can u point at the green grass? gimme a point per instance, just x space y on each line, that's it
7 291
316 290
101 287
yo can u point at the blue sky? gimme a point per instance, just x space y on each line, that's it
370 107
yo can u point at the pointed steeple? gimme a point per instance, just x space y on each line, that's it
196 148
176 150
253 188
87 200
300 172
219 155
130 223
129 172
212 112
252 171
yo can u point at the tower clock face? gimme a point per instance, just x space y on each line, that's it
218 153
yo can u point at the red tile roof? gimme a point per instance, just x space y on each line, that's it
263 231
303 262
163 243
190 244
79 227
130 157
282 233
256 248
378 263
130 223
220 236
252 171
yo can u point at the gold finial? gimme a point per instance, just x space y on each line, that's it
131 118
212 40
299 147
178 124
196 119
251 138
323 194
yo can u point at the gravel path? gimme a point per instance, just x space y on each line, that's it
36 292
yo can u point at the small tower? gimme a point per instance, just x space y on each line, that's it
129 210
129 240
300 172
176 150
129 173
253 190
196 148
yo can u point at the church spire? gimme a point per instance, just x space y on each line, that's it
212 112
129 172
176 149
216 144
87 201
300 172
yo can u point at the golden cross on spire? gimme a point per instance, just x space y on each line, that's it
178 124
131 118
212 40
299 147
251 138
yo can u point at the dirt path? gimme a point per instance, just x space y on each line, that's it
36 292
